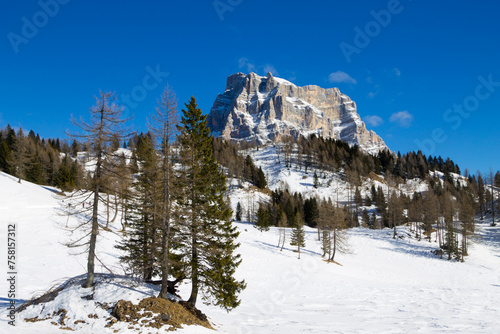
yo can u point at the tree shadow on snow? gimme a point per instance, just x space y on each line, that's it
5 302
275 247
406 244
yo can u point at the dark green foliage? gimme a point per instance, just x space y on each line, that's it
34 170
29 157
253 174
67 174
238 212
5 156
74 148
260 179
142 244
263 218
207 235
311 212
298 236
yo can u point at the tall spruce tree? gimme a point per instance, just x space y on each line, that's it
298 237
142 240
209 237
238 212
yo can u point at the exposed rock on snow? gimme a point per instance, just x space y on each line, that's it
109 304
267 108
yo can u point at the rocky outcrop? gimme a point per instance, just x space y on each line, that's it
267 108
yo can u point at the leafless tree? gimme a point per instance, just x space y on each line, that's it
105 123
164 126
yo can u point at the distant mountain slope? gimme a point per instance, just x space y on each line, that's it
266 108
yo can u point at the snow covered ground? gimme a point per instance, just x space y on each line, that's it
383 285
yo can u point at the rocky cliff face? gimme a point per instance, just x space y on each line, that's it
267 108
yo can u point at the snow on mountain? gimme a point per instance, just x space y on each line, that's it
266 108
331 185
383 285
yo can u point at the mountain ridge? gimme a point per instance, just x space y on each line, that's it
264 109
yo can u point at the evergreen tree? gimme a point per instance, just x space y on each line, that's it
260 179
209 239
142 240
298 234
64 179
20 155
262 223
311 212
481 190
315 180
5 156
238 212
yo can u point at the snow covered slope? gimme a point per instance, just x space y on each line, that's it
384 285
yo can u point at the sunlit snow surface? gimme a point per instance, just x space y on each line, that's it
384 285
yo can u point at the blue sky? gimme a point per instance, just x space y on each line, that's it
424 74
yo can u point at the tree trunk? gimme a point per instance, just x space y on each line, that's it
284 237
107 209
334 244
116 208
165 224
194 274
93 239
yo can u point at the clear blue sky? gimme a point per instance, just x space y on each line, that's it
406 63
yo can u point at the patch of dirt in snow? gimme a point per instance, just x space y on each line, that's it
114 304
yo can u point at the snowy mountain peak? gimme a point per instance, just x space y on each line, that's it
267 108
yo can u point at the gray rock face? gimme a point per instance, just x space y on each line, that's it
267 108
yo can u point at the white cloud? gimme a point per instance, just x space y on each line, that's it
243 62
402 118
340 76
373 120
270 68
397 72
248 66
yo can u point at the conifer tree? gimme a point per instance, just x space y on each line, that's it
262 223
480 184
106 120
209 239
20 155
5 156
238 211
164 125
298 233
142 240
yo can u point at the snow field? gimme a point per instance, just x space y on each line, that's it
383 285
